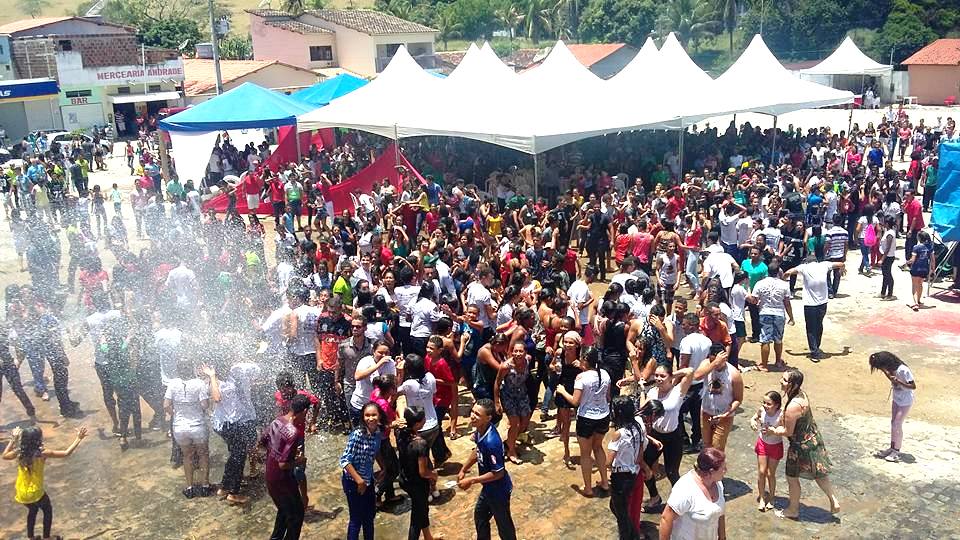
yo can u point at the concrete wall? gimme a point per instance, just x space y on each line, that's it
272 43
355 51
933 84
21 117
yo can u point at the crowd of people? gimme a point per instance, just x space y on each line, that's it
452 293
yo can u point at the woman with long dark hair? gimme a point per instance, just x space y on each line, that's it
902 387
591 396
623 453
807 456
416 472
358 478
567 364
923 264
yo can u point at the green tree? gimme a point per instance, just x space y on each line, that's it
621 21
294 7
508 16
400 8
171 34
689 20
903 33
476 18
236 48
538 19
447 24
728 11
32 7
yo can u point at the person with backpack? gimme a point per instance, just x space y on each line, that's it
867 234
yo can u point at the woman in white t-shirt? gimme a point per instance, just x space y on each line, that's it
671 387
625 449
419 387
591 397
902 387
187 400
888 254
379 363
695 508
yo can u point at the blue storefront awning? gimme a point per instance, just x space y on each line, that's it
27 89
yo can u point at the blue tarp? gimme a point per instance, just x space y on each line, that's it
946 202
246 106
324 92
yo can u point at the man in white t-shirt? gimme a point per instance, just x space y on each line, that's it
772 295
694 349
580 299
815 297
720 265
183 282
478 294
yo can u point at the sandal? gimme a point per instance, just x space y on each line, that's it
780 514
650 507
515 460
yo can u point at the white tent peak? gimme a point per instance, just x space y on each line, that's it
403 66
681 67
756 60
848 59
481 65
560 66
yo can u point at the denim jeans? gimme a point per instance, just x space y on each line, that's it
37 368
362 508
865 256
499 510
693 258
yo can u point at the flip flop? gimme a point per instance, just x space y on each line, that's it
781 515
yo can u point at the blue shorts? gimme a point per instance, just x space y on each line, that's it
771 328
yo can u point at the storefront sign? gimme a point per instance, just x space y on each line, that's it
79 101
71 72
26 89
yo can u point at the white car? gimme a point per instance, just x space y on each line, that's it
63 137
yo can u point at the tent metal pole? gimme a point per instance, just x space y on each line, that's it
773 145
680 147
296 134
396 146
536 169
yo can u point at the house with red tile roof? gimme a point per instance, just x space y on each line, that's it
200 83
935 72
360 41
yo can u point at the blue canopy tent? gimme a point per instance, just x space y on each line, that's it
246 106
324 92
194 132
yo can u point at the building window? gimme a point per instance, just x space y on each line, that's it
321 53
153 88
65 45
123 90
78 93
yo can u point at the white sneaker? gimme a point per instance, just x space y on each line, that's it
893 457
882 453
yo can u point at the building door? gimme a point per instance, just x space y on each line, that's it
81 116
125 115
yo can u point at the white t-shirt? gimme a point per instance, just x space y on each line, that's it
863 226
728 227
479 295
235 404
671 409
903 396
697 346
95 323
578 293
738 301
187 409
364 387
594 397
698 518
273 329
668 271
720 264
305 340
888 244
627 447
284 273
405 297
814 275
184 284
772 292
420 394
424 313
166 345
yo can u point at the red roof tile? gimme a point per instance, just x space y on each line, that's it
199 77
942 52
590 53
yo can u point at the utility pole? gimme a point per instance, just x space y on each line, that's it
216 47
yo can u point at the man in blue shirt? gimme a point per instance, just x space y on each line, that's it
433 191
494 500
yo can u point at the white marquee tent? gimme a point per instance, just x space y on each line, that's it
560 101
848 59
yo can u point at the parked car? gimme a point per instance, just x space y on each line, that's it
63 137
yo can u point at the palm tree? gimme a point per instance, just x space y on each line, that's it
509 17
728 10
293 7
447 24
538 18
690 20
402 9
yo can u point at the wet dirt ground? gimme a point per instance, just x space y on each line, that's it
104 493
